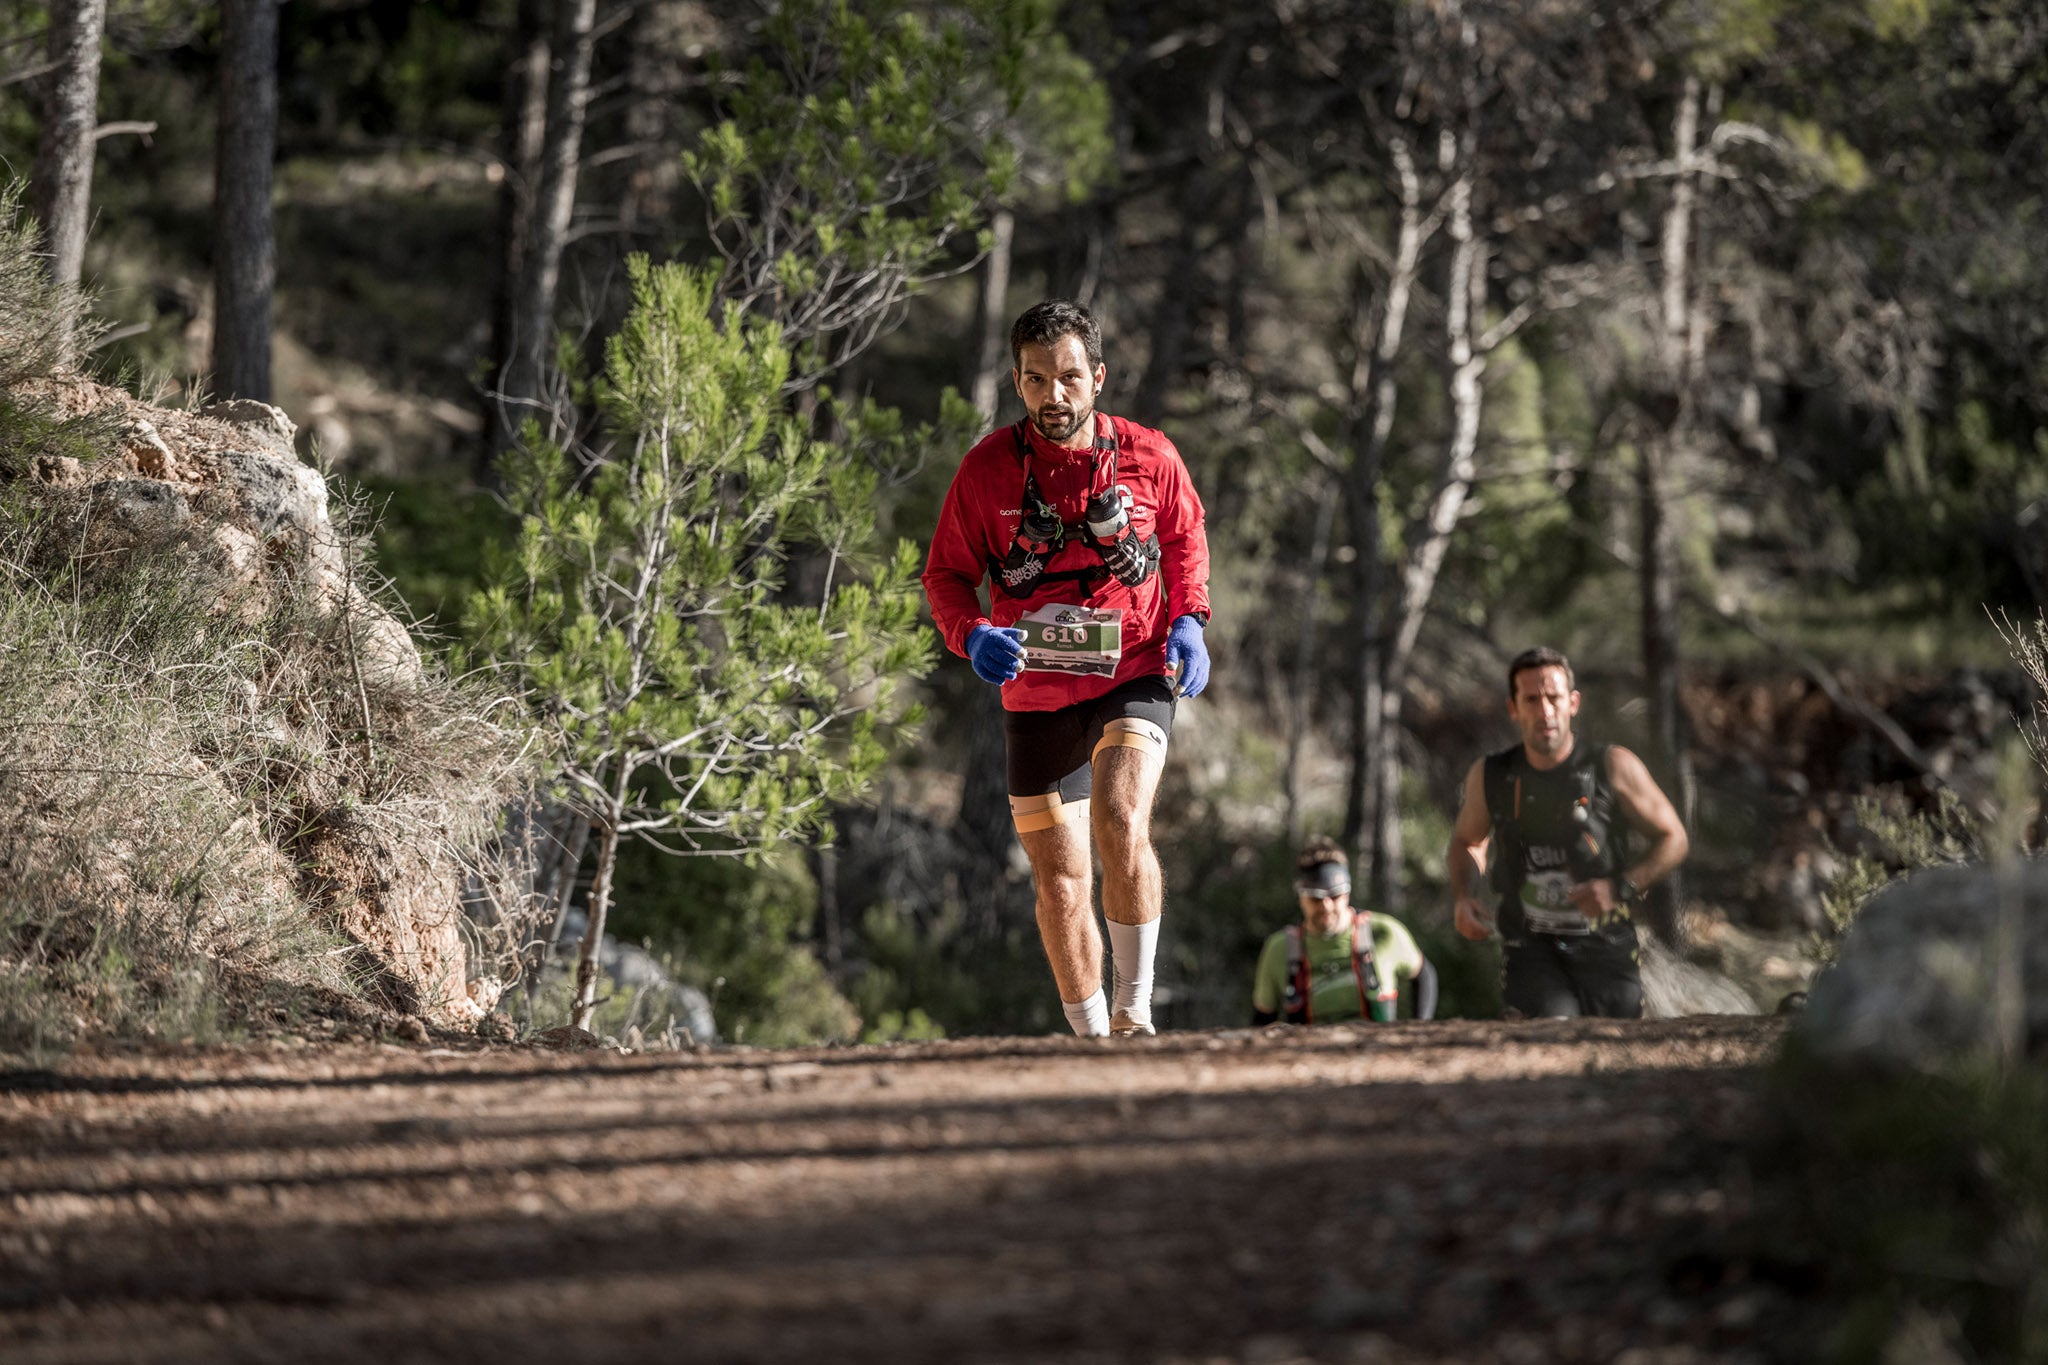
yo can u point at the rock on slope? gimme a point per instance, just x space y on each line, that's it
224 491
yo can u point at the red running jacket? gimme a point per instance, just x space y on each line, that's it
978 523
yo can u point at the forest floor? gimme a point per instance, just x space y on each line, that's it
1468 1191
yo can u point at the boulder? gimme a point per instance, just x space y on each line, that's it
263 424
136 514
284 503
1674 988
1919 974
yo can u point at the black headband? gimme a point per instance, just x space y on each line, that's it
1324 879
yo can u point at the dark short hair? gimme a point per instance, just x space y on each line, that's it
1042 324
1316 855
1540 657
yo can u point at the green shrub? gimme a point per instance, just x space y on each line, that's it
741 933
958 980
1897 839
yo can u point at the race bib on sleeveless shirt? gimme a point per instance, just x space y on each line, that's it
1547 904
1063 639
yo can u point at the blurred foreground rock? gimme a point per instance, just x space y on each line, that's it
1916 984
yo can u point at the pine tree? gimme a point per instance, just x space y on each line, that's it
695 706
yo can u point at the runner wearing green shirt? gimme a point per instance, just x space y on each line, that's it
1338 963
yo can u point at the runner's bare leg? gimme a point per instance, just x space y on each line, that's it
1127 777
1062 879
1126 781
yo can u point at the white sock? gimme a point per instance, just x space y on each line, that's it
1131 947
1090 1017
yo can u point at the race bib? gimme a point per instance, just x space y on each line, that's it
1547 904
1062 639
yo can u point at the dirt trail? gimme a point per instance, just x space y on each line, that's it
1456 1191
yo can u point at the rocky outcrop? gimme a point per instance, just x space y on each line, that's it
1927 969
223 493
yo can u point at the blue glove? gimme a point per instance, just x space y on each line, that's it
1184 647
997 653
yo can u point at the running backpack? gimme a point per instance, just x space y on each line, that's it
1571 805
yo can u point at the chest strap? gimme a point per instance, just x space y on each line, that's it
1299 1007
1022 572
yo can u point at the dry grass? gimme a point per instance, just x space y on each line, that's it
194 798
2027 642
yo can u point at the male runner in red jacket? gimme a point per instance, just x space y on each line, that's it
1089 534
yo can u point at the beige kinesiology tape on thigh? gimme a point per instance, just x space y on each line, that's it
1129 732
1033 813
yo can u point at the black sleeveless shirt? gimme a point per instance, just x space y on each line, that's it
1552 827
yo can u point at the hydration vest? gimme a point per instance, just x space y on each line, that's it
1296 1007
1026 578
1570 806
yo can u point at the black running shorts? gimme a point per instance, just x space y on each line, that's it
1050 751
1551 976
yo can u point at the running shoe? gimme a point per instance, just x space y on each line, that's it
1122 1025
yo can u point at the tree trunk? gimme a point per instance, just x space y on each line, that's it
1464 312
992 357
831 927
1088 241
553 836
244 247
653 65
533 309
1376 392
523 122
1362 506
1171 319
1302 684
64 150
589 953
1660 569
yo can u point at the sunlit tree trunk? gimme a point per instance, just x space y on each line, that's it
1464 315
244 244
1676 348
982 823
1375 427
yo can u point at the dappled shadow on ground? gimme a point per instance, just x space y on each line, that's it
1468 1191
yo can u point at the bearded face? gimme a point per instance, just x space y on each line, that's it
1058 387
